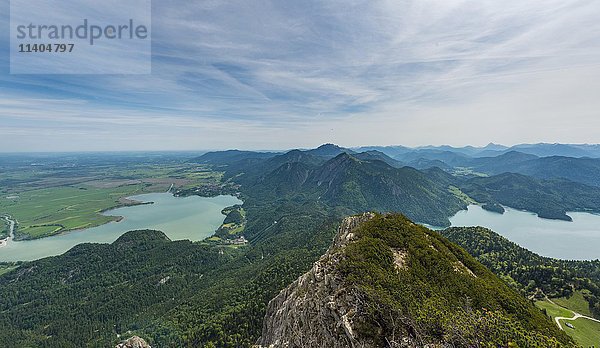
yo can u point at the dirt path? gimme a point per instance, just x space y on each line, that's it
575 316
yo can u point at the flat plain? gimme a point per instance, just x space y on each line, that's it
47 197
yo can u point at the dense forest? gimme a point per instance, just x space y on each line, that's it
526 271
172 293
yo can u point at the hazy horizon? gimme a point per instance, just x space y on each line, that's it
289 148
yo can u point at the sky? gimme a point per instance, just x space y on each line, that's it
282 74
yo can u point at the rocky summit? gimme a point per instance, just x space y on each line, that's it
387 282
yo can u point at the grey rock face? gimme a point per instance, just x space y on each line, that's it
134 342
316 310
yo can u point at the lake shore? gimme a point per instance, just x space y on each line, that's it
191 218
567 240
11 231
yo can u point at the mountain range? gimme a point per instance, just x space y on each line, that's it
384 281
491 150
548 186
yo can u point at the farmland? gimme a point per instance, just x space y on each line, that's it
51 196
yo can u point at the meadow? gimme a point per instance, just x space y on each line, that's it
576 302
44 212
585 332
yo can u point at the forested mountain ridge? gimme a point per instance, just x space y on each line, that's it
386 282
526 271
95 289
550 199
582 170
371 180
374 155
540 150
358 185
578 163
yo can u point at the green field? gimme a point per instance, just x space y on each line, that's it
586 332
463 171
553 310
576 302
234 224
461 195
40 213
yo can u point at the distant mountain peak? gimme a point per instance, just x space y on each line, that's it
343 158
328 146
332 147
329 150
494 146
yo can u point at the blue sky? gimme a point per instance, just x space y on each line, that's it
279 74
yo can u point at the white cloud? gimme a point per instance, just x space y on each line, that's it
287 73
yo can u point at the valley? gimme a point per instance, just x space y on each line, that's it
238 227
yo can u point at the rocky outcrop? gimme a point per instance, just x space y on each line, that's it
316 310
387 282
134 342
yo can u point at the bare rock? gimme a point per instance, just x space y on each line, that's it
316 310
134 342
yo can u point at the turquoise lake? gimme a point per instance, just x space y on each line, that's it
196 218
576 240
193 218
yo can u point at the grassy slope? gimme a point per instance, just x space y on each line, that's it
576 303
554 310
530 272
449 295
586 332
